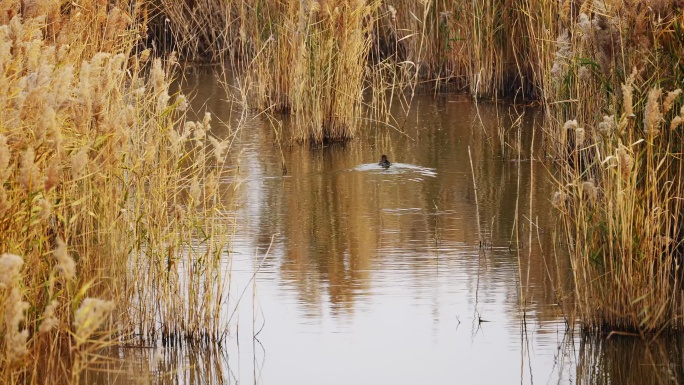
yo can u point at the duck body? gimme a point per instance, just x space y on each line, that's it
384 163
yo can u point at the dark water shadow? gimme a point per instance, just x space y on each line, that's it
630 360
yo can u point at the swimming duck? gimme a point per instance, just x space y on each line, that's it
384 163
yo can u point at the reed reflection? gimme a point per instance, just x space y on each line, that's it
343 239
338 226
630 360
334 229
180 364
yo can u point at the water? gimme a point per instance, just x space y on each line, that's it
347 273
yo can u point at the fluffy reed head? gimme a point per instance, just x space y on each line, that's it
10 266
607 126
653 117
29 172
626 162
15 338
579 137
558 200
627 94
92 313
79 161
670 99
590 190
65 264
49 321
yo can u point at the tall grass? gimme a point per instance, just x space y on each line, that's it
314 59
202 30
620 201
112 214
312 64
616 126
458 41
599 44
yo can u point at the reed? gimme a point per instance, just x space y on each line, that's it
620 204
598 46
314 59
312 64
112 214
617 132
201 30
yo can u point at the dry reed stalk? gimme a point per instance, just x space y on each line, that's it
477 206
200 29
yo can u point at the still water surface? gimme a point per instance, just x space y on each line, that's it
376 276
371 276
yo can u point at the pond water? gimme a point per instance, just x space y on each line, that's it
343 272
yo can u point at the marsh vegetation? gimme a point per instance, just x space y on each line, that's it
117 208
112 220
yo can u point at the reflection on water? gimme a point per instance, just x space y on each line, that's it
627 360
365 275
171 365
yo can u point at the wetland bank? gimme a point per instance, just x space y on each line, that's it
230 228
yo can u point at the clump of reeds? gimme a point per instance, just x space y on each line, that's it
331 54
620 202
206 30
313 58
474 46
112 213
620 183
599 46
311 63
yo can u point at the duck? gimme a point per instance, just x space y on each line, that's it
384 163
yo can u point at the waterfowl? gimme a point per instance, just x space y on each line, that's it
384 163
